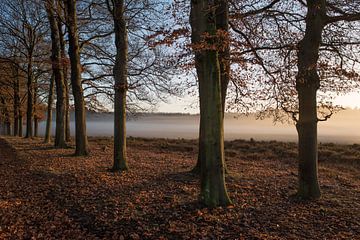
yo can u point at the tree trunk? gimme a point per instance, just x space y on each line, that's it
67 108
16 105
65 74
213 189
74 54
36 126
6 122
35 113
20 124
222 23
307 84
30 99
57 67
47 138
120 76
8 127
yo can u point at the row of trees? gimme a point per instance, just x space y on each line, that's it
273 56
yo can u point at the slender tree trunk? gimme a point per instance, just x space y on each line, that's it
67 108
57 67
222 23
16 105
36 126
74 54
30 100
6 122
120 76
8 127
20 124
35 113
213 189
307 84
47 138
65 74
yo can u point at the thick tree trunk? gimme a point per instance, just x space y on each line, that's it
213 189
222 23
47 138
74 54
120 76
307 84
30 99
57 67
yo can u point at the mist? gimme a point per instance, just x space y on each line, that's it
343 127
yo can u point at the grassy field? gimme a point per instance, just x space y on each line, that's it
46 193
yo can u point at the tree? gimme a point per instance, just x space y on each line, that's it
22 29
58 72
47 138
74 54
222 27
300 48
307 85
203 24
120 87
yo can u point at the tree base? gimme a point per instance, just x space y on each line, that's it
119 169
196 170
306 196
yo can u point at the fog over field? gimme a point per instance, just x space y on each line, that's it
344 127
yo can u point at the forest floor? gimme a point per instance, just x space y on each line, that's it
47 193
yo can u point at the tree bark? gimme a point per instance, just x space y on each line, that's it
6 122
222 23
213 189
35 111
57 67
307 84
30 98
20 123
65 74
47 138
8 127
16 107
120 76
74 54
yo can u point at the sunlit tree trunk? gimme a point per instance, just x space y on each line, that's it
307 84
213 189
222 23
74 54
120 76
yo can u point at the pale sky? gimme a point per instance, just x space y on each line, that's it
189 104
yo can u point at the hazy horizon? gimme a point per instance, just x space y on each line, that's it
343 127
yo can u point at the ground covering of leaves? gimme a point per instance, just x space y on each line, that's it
47 193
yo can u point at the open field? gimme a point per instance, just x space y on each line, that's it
343 127
47 193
